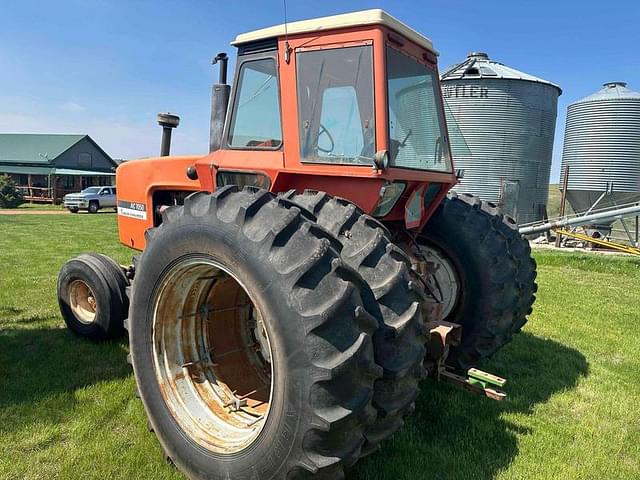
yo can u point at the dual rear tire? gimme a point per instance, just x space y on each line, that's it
252 341
486 273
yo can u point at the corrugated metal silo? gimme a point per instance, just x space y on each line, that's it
507 121
602 148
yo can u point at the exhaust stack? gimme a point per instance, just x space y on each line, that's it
219 102
168 122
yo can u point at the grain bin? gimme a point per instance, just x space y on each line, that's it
502 123
602 149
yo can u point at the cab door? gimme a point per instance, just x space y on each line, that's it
252 143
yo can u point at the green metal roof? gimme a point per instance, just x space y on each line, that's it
25 170
38 148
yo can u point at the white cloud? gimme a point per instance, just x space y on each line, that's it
72 107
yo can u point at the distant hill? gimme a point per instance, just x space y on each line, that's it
553 204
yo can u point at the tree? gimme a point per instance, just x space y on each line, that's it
10 196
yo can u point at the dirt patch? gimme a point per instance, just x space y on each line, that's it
33 212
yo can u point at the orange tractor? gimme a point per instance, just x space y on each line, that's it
295 284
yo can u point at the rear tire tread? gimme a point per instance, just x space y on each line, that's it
400 337
508 277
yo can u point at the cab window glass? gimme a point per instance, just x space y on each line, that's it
256 114
418 137
340 115
335 105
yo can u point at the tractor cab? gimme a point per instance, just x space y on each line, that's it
348 104
318 103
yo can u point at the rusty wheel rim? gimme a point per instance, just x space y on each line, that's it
82 301
212 355
445 277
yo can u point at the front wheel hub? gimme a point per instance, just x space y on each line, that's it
82 301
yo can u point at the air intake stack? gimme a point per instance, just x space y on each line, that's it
168 122
219 102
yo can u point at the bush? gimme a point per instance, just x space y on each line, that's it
10 196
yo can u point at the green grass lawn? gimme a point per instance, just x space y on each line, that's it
68 409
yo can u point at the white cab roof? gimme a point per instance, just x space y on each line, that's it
346 20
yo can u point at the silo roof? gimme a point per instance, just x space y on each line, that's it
612 91
479 65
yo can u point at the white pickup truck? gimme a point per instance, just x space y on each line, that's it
91 199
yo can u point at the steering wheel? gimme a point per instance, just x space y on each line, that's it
323 130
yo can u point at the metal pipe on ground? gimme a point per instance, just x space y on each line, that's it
583 220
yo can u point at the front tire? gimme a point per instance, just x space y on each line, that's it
486 273
93 206
92 296
250 344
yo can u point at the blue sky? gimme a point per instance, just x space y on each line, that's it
106 67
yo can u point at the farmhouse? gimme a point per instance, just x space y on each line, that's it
48 166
